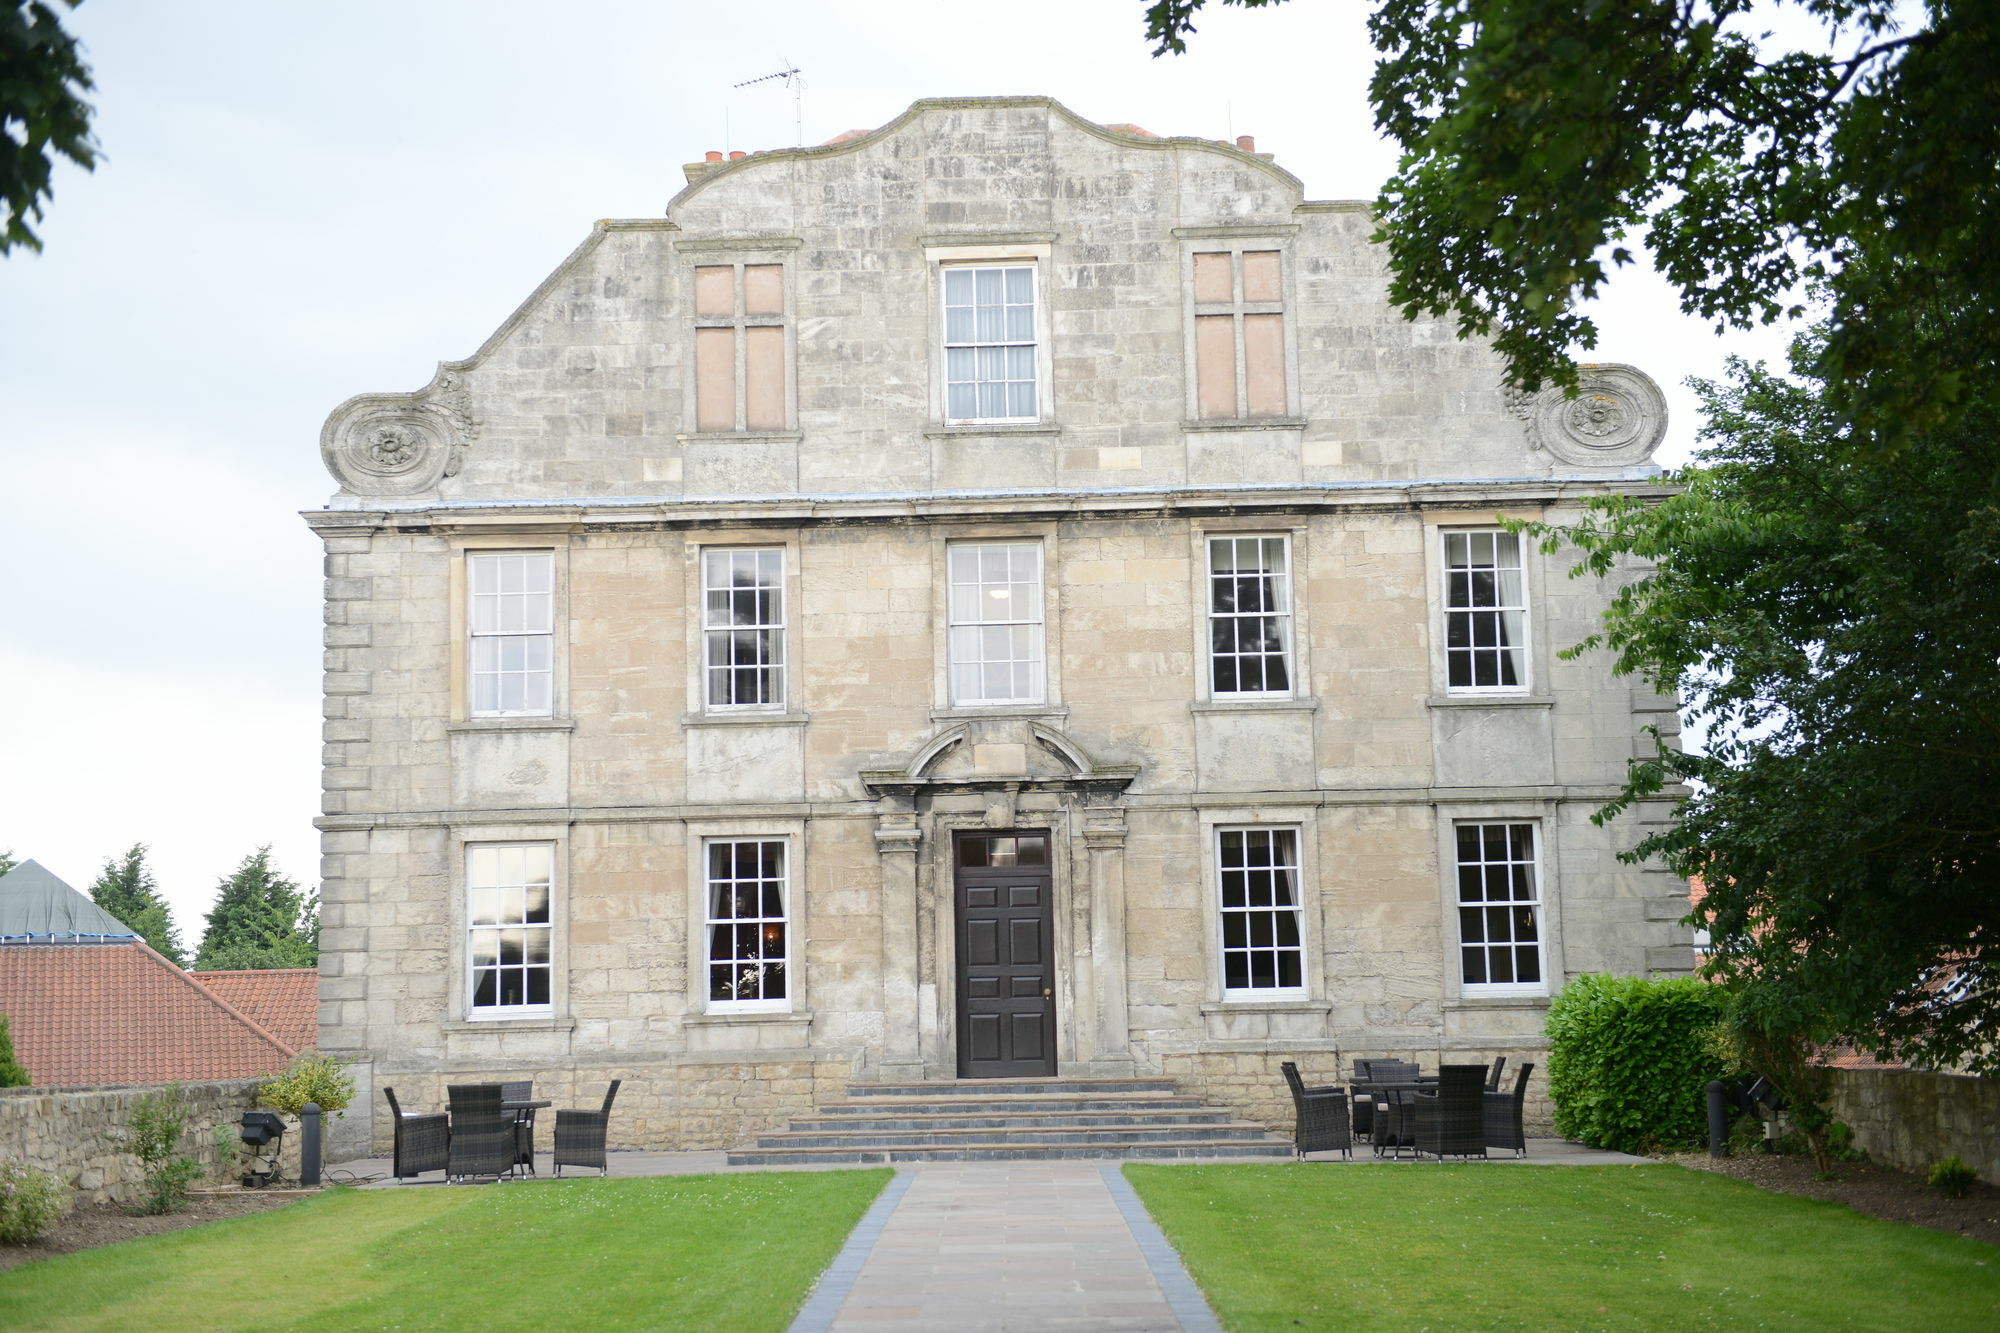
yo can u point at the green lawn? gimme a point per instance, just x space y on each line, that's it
677 1252
1474 1247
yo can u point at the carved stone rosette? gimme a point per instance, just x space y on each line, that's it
399 443
1617 418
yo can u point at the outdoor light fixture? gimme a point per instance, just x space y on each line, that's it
263 1131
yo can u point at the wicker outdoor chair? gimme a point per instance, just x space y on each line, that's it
421 1140
1368 1074
1321 1116
483 1137
580 1135
1502 1116
1451 1121
1493 1077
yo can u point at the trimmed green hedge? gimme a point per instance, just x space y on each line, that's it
1630 1058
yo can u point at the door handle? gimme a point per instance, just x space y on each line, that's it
1047 993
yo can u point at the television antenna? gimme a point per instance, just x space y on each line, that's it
797 83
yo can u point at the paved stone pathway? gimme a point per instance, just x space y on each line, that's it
1005 1246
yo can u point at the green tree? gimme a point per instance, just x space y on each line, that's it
12 1075
260 919
7 861
125 888
42 113
1539 136
1830 615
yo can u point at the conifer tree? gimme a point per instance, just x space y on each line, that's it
125 888
260 920
12 1075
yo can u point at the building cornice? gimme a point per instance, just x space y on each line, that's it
640 513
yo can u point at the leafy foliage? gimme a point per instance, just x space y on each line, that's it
42 113
260 919
159 1120
1831 617
1630 1059
1540 136
125 888
7 861
311 1077
1952 1176
31 1201
12 1075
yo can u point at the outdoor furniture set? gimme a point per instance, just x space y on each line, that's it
490 1131
1458 1112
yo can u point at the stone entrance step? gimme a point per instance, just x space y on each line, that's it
960 1120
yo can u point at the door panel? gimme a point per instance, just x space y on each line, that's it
1006 989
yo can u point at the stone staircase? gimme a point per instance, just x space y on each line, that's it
1012 1120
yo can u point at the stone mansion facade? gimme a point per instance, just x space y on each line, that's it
997 595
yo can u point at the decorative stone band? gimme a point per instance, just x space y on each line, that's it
1617 418
399 443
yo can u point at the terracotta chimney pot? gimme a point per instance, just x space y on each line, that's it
713 155
738 155
1247 142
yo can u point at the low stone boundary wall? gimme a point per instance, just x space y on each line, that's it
79 1134
1910 1118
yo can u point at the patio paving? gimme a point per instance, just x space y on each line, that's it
994 1247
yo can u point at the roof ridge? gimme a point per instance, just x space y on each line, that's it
247 971
222 1004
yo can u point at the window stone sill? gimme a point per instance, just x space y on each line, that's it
1499 1002
1293 1006
1033 712
513 724
744 437
541 1023
1491 701
1254 706
991 428
1246 423
745 719
752 1019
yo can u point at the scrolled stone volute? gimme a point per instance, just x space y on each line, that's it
1617 418
388 444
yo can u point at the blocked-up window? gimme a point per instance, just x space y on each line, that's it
743 610
748 936
1239 334
508 887
1486 611
989 342
1257 874
739 347
1249 615
996 622
510 598
1499 909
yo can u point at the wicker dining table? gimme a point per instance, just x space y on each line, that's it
524 1117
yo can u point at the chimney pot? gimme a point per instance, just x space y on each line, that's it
1247 142
737 155
713 155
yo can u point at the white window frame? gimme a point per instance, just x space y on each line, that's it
1246 911
963 632
1537 907
1282 614
1520 605
1033 342
476 599
485 861
727 632
760 924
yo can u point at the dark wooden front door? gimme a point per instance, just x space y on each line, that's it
1006 981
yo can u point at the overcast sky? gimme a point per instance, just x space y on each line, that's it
302 202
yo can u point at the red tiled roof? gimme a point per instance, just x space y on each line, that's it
84 1014
283 1001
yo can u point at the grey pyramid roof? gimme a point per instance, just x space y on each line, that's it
38 908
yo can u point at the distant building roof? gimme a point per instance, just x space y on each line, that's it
283 1001
119 1013
38 908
